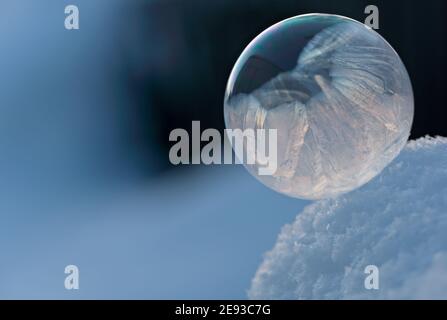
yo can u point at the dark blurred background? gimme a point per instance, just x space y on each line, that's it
190 47
85 117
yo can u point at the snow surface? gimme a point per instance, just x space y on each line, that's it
397 222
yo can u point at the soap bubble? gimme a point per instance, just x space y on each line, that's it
336 92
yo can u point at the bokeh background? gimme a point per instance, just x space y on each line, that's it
85 117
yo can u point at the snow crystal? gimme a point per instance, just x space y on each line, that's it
398 222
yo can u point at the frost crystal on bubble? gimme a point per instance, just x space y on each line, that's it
338 95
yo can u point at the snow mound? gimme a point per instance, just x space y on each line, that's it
397 222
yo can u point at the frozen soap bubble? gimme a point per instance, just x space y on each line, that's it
338 95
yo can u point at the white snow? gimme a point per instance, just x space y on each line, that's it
397 222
